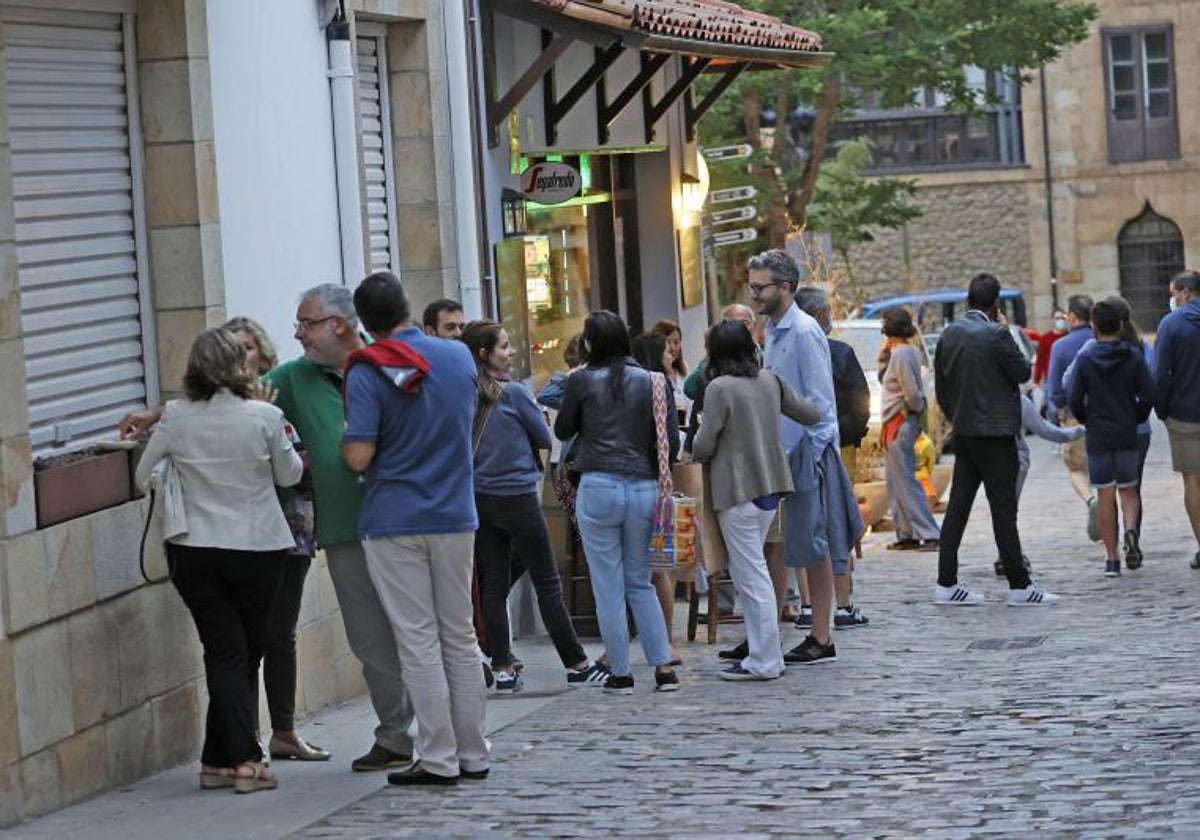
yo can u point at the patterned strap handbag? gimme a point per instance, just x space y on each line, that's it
673 538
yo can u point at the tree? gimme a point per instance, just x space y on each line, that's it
847 205
888 49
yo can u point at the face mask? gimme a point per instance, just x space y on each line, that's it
1173 304
1060 325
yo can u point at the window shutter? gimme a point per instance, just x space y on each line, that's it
375 125
1123 100
75 184
1161 106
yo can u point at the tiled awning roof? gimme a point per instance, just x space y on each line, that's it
714 28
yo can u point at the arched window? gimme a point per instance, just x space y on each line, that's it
1150 253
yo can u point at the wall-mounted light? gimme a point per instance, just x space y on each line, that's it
693 193
512 205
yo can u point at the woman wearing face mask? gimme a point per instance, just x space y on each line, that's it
509 433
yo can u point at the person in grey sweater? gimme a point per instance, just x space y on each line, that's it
903 402
740 438
509 433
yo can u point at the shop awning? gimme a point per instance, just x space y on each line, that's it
708 36
707 28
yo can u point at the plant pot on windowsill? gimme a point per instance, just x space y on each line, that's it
77 483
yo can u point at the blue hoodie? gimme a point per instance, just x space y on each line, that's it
1111 393
1177 365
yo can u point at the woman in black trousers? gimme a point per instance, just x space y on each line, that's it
509 432
222 455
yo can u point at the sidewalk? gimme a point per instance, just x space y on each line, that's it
172 805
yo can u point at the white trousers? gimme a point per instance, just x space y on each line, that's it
424 584
745 529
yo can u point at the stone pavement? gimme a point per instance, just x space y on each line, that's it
1078 720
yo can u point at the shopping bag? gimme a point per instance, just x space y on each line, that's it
693 481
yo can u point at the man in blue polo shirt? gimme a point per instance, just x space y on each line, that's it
410 403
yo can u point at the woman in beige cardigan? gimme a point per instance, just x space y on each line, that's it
739 437
228 452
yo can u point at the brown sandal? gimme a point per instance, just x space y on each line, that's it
263 779
217 778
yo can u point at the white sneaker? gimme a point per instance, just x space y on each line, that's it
956 596
1031 596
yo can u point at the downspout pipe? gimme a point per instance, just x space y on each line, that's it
466 162
1048 181
345 151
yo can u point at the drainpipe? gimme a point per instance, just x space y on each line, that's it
466 164
1048 180
345 149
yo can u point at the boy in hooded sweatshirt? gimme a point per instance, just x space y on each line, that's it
1112 393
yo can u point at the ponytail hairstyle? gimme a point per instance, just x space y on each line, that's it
481 338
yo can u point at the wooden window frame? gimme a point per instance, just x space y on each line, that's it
1144 138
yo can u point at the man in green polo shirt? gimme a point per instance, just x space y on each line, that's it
309 390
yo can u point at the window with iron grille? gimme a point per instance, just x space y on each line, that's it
1150 253
1139 70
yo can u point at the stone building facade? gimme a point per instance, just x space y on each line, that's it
101 674
1124 165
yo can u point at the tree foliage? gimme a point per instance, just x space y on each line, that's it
886 48
847 205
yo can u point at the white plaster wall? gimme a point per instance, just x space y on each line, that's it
274 151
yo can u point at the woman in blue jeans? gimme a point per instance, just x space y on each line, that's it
608 405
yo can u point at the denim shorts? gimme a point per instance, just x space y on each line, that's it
1113 469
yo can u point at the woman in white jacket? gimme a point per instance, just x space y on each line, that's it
227 452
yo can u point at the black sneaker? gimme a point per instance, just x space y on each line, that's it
507 683
810 652
619 685
904 544
847 618
740 652
666 681
1195 564
928 545
1133 551
737 672
473 775
1112 568
804 622
594 675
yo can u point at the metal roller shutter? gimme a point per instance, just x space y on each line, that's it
375 125
76 194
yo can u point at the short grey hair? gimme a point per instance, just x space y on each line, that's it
334 300
780 263
812 300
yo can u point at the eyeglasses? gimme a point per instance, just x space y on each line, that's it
756 289
304 324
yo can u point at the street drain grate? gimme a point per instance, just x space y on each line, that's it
1014 643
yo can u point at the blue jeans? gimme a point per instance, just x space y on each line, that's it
615 516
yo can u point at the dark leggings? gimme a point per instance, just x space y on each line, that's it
1143 451
229 594
279 658
513 528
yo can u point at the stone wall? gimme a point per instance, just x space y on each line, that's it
101 674
966 228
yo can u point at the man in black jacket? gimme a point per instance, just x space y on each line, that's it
978 371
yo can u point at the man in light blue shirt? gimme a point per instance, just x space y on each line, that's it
820 520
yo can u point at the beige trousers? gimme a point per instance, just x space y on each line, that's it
424 583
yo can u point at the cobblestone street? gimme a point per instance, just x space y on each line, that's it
1075 720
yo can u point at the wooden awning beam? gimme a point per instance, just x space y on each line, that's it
607 112
690 70
499 108
557 109
694 113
